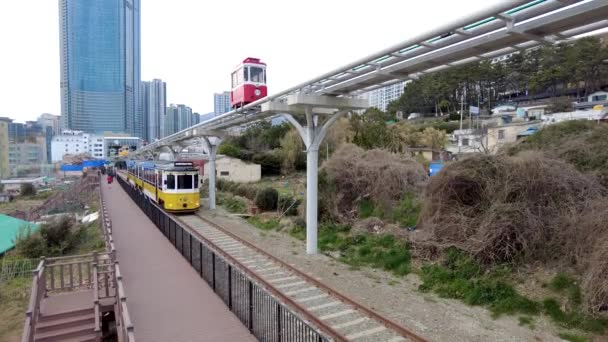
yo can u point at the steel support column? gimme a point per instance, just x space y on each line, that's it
211 144
312 135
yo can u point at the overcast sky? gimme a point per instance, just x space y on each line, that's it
193 45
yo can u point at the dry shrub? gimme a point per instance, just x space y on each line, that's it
521 209
595 280
352 174
511 209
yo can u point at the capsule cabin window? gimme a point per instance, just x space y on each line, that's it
246 73
256 74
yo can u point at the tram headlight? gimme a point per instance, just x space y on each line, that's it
257 92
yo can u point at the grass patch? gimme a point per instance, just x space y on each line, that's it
527 321
379 251
461 277
405 213
264 224
573 337
14 296
573 319
382 251
367 208
563 283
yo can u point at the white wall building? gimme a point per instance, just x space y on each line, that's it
76 142
234 170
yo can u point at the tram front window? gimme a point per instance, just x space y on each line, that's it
170 182
184 182
256 74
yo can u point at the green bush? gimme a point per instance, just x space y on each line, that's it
233 204
288 204
267 199
229 149
407 211
246 190
58 235
28 189
30 245
270 163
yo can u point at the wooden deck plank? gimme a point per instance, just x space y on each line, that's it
167 299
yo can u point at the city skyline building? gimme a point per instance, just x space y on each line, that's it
100 65
153 105
184 117
49 120
381 97
4 149
221 103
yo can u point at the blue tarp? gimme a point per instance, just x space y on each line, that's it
434 168
69 167
93 163
528 132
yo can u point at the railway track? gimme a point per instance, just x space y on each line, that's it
351 320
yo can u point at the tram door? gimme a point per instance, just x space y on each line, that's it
157 184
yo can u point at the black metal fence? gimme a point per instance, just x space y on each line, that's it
266 317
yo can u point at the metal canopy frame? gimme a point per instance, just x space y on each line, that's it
512 25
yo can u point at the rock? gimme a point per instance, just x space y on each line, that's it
372 225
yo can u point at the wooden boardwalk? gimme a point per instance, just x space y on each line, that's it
167 299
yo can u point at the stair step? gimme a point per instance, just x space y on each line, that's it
65 314
84 338
64 322
65 333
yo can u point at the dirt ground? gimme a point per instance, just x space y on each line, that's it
434 318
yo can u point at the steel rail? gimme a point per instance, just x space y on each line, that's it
369 312
275 292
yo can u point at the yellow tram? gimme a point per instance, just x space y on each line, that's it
172 185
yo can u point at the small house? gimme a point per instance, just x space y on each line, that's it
234 169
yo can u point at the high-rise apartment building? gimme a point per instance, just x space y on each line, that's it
221 103
170 122
381 97
49 120
153 104
4 149
184 117
100 65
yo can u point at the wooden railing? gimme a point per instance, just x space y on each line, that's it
96 271
124 324
33 308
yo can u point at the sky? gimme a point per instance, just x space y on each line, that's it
193 45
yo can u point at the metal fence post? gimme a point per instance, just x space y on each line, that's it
250 306
213 268
279 321
229 287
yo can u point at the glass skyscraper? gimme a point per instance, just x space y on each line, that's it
221 103
153 103
100 65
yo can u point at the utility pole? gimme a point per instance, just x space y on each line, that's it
461 108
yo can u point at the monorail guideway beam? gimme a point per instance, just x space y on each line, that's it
314 108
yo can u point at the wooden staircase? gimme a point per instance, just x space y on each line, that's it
68 326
